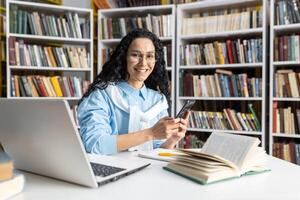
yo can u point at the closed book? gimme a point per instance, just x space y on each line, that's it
12 51
25 83
256 120
298 121
56 86
12 186
16 84
188 85
42 87
33 89
21 87
275 108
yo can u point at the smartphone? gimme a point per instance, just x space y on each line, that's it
185 108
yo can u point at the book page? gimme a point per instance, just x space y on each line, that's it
234 148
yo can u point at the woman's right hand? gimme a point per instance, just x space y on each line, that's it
165 128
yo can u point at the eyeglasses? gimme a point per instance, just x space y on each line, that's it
138 57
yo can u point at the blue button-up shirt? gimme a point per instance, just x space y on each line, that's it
101 121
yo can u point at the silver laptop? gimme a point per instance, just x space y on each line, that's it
41 136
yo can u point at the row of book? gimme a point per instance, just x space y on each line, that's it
167 48
222 20
286 48
229 52
46 86
229 119
286 120
2 23
118 27
27 22
287 83
287 151
21 54
287 12
221 85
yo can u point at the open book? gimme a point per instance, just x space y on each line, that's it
223 156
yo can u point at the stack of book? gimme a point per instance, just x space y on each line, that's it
11 183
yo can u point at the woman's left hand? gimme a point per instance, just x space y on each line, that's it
182 129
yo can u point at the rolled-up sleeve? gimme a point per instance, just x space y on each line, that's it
97 129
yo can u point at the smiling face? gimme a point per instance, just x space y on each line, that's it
140 61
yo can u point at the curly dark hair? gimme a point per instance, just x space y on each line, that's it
115 69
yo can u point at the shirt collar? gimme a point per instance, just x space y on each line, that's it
129 90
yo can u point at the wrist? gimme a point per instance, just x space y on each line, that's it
149 134
175 139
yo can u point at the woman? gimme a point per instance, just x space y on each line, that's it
126 105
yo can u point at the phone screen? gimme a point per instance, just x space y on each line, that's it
186 107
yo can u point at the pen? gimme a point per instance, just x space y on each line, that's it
165 154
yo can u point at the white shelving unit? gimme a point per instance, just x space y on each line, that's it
187 10
84 73
283 102
140 12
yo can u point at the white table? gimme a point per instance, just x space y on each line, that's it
283 183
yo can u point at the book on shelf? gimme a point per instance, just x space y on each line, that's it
191 141
12 186
6 166
2 23
223 156
2 51
287 151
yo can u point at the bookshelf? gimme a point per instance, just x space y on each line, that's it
226 76
284 138
56 42
2 49
166 33
95 37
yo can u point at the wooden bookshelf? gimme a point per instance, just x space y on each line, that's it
2 50
38 62
284 137
133 12
191 31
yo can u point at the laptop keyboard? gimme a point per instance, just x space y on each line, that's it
104 170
